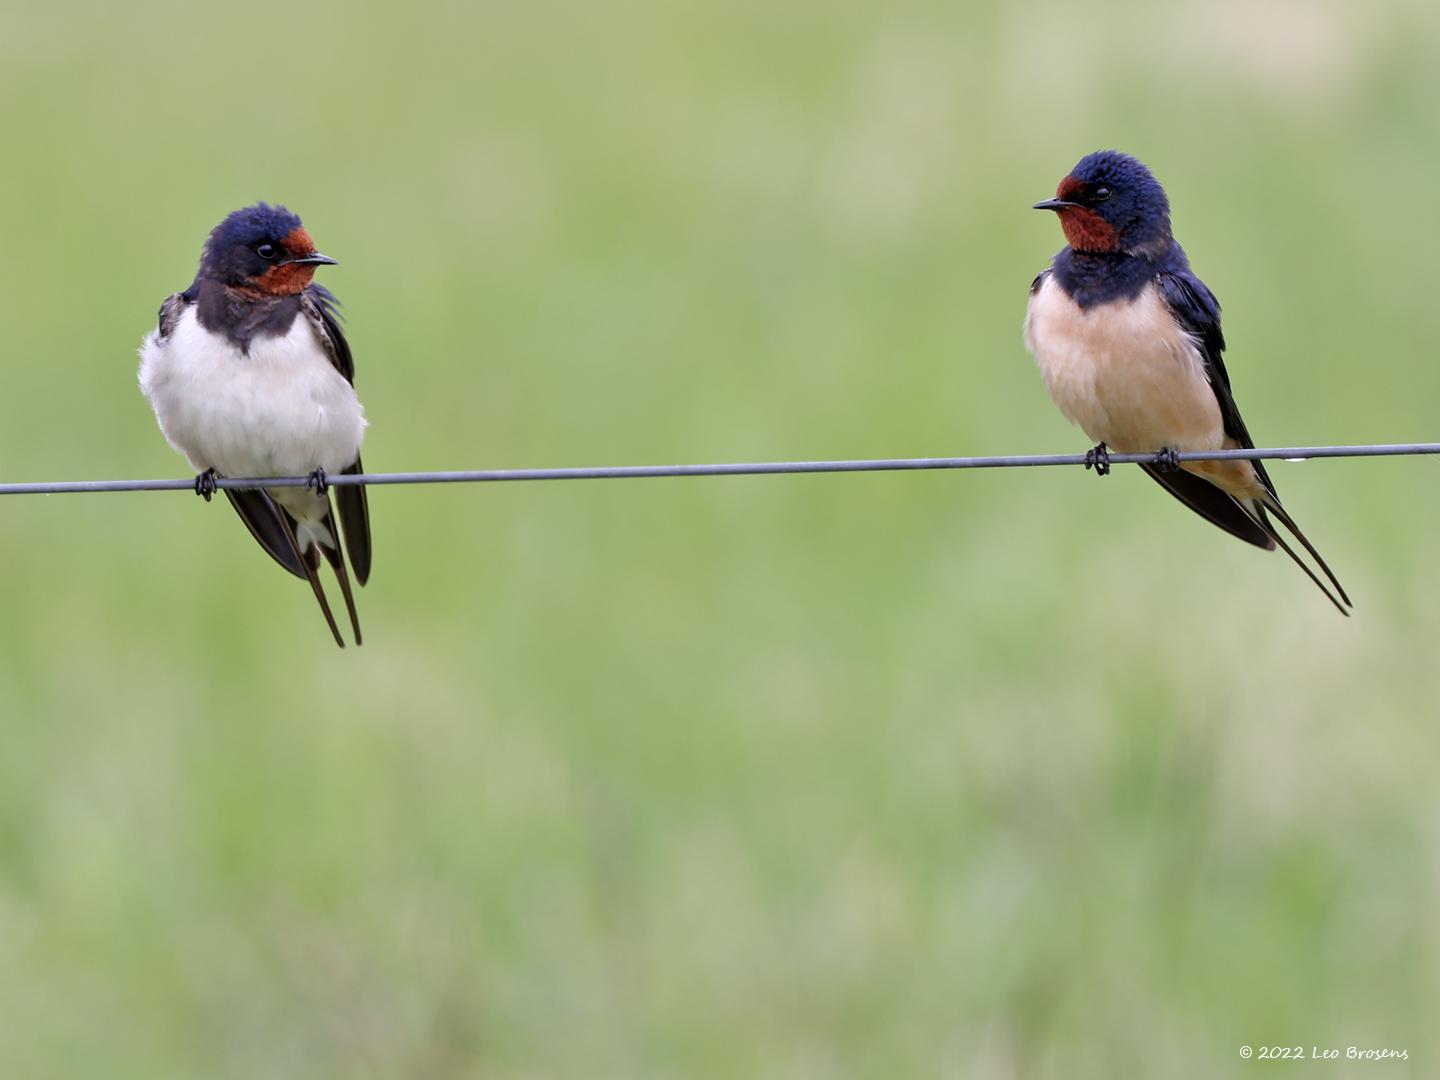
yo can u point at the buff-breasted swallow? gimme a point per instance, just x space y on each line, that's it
1128 341
249 374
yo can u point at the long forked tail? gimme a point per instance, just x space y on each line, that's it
313 539
308 555
337 563
297 547
1272 504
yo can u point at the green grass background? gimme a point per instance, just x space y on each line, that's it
988 774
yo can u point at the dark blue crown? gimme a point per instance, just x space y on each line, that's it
229 253
1138 208
250 226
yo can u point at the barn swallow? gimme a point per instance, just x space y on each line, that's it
250 375
1128 341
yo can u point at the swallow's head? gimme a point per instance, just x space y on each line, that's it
1110 202
264 248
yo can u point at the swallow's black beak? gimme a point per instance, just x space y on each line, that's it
1054 204
313 259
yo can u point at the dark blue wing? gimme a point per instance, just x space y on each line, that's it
173 307
322 309
1195 308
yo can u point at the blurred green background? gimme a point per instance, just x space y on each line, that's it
989 774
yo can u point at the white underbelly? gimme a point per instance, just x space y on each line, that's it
280 410
1126 373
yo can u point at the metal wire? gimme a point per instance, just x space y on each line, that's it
761 468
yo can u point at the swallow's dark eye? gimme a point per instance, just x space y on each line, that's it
1100 194
266 251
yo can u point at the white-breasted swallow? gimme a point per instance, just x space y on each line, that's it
249 374
1128 341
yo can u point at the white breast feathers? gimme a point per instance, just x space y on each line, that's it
1126 372
279 410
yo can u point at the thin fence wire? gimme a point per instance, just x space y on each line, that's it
758 468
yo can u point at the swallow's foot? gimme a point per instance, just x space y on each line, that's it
1167 460
205 485
317 482
1099 460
